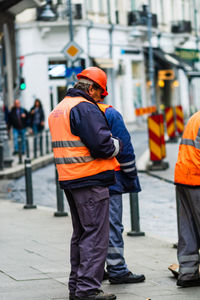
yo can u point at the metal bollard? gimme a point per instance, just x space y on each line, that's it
20 149
1 155
35 145
41 144
135 218
47 141
29 188
27 147
60 199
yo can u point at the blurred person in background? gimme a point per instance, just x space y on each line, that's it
37 117
18 118
127 181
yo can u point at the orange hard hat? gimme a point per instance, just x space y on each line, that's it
97 75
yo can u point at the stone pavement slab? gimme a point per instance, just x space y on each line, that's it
35 259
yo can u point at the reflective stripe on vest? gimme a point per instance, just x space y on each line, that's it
73 159
60 144
195 143
187 169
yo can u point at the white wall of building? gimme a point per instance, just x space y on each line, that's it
40 42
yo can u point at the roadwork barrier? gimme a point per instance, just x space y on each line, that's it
170 124
156 142
179 119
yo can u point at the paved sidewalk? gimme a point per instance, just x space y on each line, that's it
35 259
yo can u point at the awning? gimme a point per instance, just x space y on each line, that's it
164 59
193 74
103 63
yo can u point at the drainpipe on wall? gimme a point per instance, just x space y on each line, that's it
9 72
151 62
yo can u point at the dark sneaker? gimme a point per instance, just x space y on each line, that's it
188 283
127 278
105 275
98 295
71 296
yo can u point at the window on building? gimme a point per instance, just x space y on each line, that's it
89 5
136 70
183 9
162 11
137 84
101 7
57 69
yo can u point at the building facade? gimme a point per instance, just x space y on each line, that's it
114 35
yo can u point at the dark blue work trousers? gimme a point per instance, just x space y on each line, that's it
89 208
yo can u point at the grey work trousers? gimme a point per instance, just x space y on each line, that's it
188 232
89 208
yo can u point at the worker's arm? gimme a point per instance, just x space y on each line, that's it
118 128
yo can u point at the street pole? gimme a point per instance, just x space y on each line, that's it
71 31
151 62
196 27
70 20
111 51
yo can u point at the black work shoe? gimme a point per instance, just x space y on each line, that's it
127 278
188 283
105 275
72 296
98 295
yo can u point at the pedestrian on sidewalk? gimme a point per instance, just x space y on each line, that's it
187 181
17 118
127 181
37 117
84 152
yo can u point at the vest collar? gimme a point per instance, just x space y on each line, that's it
78 93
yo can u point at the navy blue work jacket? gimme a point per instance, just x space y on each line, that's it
126 179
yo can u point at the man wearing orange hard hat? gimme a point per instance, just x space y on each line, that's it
84 152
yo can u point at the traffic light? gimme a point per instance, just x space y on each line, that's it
22 84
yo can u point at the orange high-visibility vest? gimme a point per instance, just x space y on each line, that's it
187 169
73 159
103 108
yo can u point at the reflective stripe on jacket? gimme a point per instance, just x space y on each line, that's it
187 169
73 159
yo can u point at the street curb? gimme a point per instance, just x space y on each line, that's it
18 171
156 176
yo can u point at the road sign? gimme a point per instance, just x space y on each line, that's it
165 74
75 70
190 55
72 51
